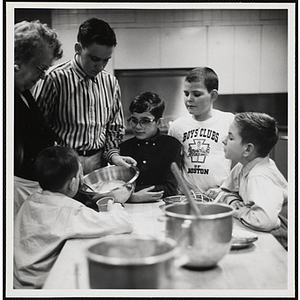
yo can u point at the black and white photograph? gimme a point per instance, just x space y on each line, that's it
149 149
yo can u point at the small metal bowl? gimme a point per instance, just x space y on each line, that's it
173 199
121 193
199 197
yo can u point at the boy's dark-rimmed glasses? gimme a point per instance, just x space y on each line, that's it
144 122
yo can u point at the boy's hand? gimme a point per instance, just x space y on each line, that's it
125 161
113 206
213 192
145 195
237 204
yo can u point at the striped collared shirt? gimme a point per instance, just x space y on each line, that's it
86 113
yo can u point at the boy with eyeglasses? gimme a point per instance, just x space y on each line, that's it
153 151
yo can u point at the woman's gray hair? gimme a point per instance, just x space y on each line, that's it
31 37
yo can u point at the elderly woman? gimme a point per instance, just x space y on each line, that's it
36 47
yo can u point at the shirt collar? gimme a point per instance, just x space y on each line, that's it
152 139
79 71
249 166
156 136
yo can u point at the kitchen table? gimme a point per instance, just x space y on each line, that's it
262 266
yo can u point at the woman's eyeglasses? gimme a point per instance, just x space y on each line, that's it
144 122
43 71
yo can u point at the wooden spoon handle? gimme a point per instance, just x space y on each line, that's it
89 186
186 191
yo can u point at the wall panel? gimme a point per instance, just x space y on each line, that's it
247 50
137 48
183 47
221 56
246 47
274 59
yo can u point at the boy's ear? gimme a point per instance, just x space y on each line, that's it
78 48
72 184
250 148
214 95
159 122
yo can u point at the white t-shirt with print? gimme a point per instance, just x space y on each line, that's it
204 164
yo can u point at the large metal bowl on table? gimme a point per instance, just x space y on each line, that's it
131 261
121 193
205 239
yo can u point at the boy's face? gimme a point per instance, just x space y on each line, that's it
233 146
198 100
145 131
94 58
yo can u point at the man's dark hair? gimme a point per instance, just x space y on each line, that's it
96 31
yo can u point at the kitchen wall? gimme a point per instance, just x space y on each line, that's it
247 48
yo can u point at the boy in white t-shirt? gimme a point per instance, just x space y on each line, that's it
202 131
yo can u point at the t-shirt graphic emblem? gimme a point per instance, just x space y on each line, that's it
198 150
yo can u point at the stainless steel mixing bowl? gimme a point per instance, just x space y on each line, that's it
131 261
121 193
205 239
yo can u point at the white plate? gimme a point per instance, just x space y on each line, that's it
242 239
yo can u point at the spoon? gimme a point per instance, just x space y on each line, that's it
89 186
186 191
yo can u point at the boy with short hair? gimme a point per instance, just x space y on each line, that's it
255 187
153 151
50 217
202 131
81 101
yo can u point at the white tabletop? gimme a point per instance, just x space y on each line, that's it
260 266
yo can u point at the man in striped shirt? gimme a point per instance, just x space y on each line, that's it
82 102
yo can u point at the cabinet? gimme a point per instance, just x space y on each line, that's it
248 59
